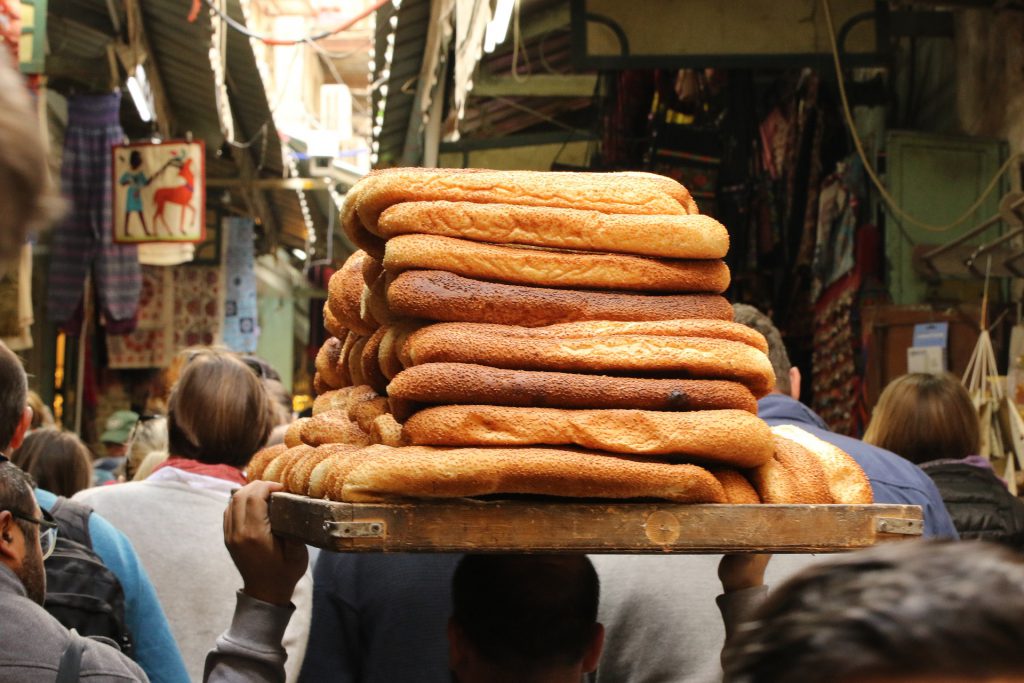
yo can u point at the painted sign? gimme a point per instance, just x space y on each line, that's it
159 192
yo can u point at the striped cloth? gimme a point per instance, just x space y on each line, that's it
84 239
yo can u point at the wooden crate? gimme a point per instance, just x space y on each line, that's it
529 526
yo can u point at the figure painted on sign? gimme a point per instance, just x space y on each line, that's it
135 179
179 194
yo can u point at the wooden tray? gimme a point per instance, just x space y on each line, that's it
519 526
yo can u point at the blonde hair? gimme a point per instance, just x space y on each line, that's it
149 435
28 196
924 417
218 412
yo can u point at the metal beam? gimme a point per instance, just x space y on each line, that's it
290 184
537 85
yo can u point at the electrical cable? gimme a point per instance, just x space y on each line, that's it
889 200
269 40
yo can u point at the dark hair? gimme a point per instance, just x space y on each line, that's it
17 494
526 612
13 394
58 461
753 318
900 610
218 412
925 417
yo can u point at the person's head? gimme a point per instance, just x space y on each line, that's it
28 196
149 464
42 418
524 618
22 532
135 158
925 417
58 461
912 611
116 431
149 435
280 402
218 412
15 415
787 377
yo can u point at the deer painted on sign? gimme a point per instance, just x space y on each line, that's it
179 194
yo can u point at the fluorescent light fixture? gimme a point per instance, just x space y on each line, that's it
497 28
137 88
299 254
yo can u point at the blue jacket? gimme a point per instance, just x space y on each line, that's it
155 648
893 479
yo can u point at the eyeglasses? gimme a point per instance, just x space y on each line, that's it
47 530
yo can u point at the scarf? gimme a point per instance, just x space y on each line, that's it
226 472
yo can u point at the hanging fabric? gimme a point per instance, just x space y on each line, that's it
241 328
84 240
151 344
16 316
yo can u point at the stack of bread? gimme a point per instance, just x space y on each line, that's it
556 334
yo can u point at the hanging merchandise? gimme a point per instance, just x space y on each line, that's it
159 192
198 305
84 241
16 315
241 328
150 345
838 215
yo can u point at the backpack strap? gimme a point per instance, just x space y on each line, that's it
71 660
73 518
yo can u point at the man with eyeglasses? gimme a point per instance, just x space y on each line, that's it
36 647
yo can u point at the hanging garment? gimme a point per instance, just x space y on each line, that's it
198 305
241 328
84 239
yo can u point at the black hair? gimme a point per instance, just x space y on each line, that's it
13 394
526 612
17 494
901 610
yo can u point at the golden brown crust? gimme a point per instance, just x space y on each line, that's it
372 268
549 268
333 426
387 431
353 227
390 353
301 470
277 469
603 192
332 325
376 300
370 363
423 472
324 474
738 489
332 400
365 412
461 383
792 476
319 386
258 463
328 364
344 293
445 296
668 236
710 329
335 481
679 357
733 437
355 361
847 482
359 394
293 435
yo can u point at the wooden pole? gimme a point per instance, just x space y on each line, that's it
82 343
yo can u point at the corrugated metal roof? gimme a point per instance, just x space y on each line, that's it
410 40
79 32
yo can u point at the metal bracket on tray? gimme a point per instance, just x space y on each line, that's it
898 525
355 529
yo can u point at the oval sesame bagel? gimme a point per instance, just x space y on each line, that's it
710 329
332 325
423 472
549 268
675 357
733 437
461 383
847 482
437 295
259 462
738 489
293 435
332 371
636 193
353 227
793 475
333 426
369 360
344 295
692 236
